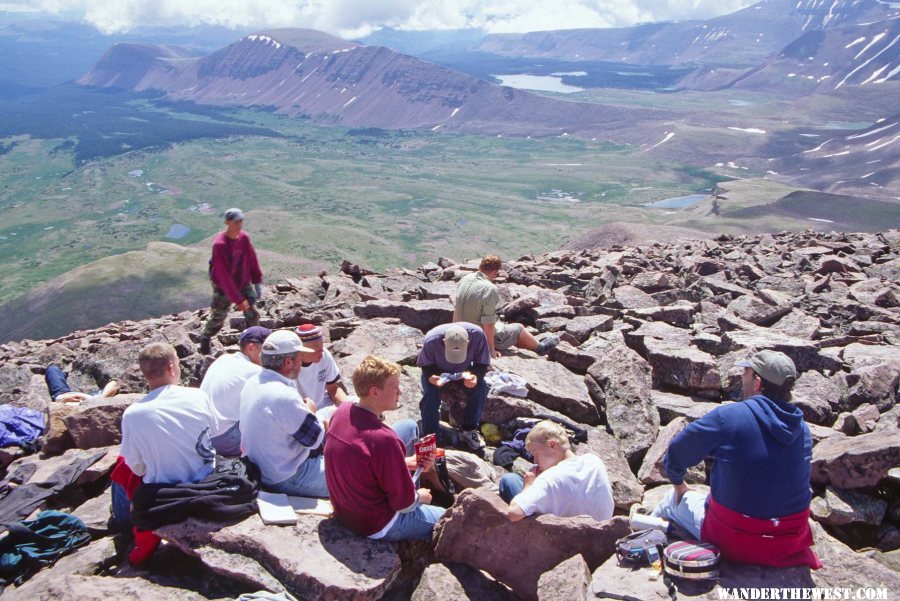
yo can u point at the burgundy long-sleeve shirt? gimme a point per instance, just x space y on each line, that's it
234 265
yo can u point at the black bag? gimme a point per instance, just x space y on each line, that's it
640 548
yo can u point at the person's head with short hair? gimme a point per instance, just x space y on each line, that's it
313 337
281 352
159 364
234 221
768 373
251 342
490 266
549 443
377 383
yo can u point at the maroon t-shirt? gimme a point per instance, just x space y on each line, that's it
365 469
234 265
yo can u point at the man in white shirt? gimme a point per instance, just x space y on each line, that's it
562 484
165 436
280 432
320 378
223 382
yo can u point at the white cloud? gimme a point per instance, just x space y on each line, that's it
350 18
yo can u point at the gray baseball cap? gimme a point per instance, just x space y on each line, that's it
456 343
772 366
234 214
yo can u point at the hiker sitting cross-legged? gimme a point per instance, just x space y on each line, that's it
368 464
280 432
562 483
757 510
165 437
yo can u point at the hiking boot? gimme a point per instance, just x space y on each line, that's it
204 344
473 440
546 345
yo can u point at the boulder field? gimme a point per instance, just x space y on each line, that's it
650 337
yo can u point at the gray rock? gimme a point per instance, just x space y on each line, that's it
874 291
420 314
334 563
475 531
798 324
686 368
98 422
388 339
878 384
816 395
624 383
626 488
629 297
582 327
570 579
756 311
855 462
672 406
680 313
804 353
841 507
458 581
652 471
553 386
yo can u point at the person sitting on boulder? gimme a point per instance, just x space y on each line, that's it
280 432
757 510
60 392
165 435
476 302
368 464
459 350
320 378
223 382
563 483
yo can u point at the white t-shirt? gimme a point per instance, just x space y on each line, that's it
576 486
311 381
277 430
223 382
168 431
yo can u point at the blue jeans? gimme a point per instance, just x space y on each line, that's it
121 509
309 481
430 405
57 383
510 486
689 513
418 523
228 443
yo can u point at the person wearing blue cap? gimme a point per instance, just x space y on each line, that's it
235 275
223 382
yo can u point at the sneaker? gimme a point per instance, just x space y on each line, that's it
204 344
546 345
473 440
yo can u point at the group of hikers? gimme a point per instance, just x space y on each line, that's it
279 402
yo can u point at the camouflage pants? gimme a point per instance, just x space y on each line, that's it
220 306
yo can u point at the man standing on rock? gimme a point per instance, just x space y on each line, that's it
455 352
165 435
476 302
280 432
757 510
235 275
320 378
368 464
223 382
563 483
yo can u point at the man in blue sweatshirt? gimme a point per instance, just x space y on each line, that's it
757 510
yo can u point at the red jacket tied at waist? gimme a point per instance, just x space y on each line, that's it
778 542
124 477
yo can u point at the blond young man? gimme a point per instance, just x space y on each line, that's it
476 302
562 483
367 463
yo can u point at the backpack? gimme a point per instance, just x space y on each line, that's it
640 548
33 544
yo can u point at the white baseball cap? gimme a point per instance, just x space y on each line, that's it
283 342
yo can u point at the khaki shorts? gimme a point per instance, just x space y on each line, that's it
506 335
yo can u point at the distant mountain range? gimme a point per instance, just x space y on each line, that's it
313 75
